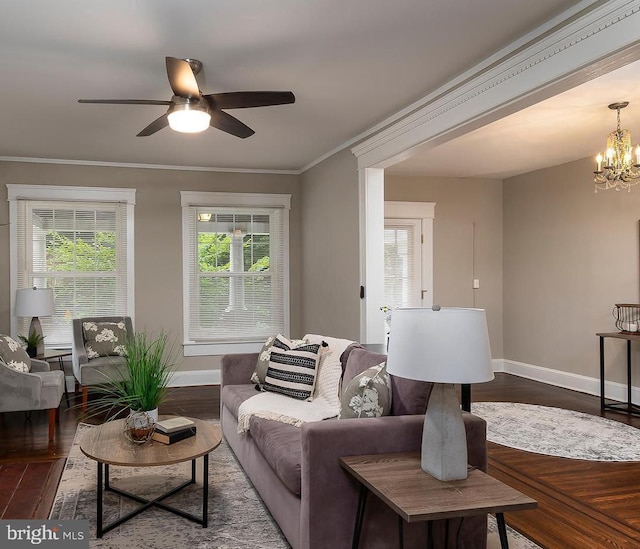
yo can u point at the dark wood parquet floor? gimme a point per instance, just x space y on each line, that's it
581 505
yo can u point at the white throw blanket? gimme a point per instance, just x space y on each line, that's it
326 400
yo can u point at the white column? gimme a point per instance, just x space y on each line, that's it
371 182
236 264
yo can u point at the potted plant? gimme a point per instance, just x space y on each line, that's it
31 341
150 363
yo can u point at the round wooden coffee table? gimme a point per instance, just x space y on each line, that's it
108 445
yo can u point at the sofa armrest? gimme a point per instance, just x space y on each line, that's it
21 390
330 492
237 368
39 365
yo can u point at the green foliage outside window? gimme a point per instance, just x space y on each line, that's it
95 253
214 252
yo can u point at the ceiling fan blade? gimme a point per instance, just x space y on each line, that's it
181 78
245 99
126 101
155 126
230 124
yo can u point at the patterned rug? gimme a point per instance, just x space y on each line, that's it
558 432
237 517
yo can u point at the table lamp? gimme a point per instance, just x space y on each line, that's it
445 346
35 302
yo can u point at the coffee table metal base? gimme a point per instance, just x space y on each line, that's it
104 485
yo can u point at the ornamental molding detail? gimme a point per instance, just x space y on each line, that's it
571 49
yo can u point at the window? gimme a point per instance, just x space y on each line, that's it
236 270
82 249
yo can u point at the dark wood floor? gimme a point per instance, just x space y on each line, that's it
581 505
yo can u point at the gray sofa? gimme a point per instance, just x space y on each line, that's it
297 473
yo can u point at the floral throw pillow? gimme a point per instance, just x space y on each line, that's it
104 338
368 394
14 355
262 364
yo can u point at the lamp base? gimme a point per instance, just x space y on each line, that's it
444 439
35 327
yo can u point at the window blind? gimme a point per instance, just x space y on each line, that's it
236 269
402 283
79 249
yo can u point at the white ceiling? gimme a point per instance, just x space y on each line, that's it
567 127
350 64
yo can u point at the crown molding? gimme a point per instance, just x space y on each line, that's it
571 49
143 166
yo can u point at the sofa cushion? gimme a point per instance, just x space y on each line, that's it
281 446
359 360
234 395
104 338
368 394
265 354
408 396
13 355
292 371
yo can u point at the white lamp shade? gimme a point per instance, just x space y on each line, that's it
449 345
34 302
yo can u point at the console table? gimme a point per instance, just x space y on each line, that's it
627 406
414 495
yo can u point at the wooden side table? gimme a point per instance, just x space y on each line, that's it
414 495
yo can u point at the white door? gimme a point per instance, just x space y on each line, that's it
408 254
402 263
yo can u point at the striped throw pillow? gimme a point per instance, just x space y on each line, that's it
292 370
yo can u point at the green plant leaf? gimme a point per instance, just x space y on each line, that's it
150 363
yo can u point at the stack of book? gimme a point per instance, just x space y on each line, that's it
173 429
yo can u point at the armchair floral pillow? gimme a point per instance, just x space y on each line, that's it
104 338
13 354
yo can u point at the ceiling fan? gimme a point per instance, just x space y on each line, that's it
191 111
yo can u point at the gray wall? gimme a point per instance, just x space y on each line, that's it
461 204
330 248
569 256
158 233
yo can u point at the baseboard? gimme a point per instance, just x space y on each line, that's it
567 380
187 378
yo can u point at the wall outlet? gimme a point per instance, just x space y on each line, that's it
476 283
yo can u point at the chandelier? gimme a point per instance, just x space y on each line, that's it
617 170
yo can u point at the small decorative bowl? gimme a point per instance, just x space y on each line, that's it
138 427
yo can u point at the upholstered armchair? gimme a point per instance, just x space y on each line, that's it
98 352
27 384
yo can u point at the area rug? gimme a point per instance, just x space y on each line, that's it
237 517
558 432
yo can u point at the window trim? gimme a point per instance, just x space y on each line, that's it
190 199
69 193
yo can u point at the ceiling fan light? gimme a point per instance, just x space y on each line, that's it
189 121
